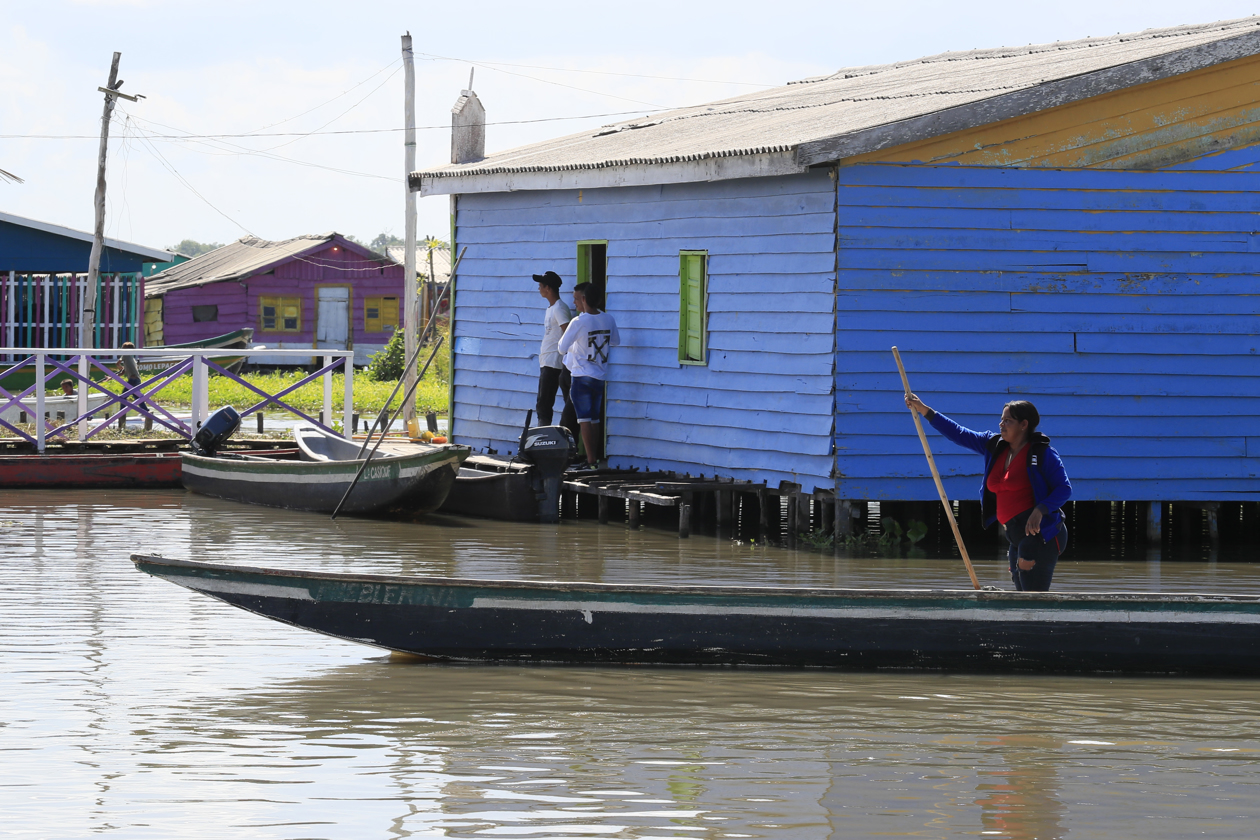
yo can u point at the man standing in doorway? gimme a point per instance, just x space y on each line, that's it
551 370
585 345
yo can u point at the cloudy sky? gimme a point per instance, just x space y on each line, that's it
318 88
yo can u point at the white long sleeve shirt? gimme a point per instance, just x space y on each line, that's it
586 342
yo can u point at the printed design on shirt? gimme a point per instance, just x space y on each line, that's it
597 342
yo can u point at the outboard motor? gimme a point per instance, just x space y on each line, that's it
549 449
218 428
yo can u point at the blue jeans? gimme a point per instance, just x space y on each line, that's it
588 398
1033 547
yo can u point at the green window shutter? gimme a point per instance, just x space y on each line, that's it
691 309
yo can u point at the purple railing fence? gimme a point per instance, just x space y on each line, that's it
89 373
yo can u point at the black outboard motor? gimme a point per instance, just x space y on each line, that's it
549 449
218 428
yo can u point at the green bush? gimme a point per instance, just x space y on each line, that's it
387 365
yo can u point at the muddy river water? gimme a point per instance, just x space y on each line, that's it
133 708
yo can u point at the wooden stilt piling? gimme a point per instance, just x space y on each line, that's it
632 515
602 502
1154 522
722 499
793 509
763 513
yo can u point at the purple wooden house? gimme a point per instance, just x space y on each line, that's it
319 291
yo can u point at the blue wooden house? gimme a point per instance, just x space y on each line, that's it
43 275
1072 223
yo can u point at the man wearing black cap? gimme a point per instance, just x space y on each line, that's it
551 370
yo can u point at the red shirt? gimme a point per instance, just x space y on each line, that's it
1011 485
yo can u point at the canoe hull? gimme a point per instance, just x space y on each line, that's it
505 621
414 485
506 496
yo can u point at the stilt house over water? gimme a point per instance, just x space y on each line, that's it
1071 223
319 291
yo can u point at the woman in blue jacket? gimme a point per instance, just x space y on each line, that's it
1024 487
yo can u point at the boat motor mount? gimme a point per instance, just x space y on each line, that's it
549 449
215 431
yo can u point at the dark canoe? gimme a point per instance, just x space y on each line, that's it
587 623
96 470
507 496
414 479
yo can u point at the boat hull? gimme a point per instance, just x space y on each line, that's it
506 496
412 485
508 621
136 470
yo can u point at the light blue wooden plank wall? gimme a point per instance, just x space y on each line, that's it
761 410
1125 305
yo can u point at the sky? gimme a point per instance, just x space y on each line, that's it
318 87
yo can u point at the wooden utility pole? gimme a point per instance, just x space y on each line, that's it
87 301
411 322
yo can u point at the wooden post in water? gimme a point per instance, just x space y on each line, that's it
763 513
684 516
936 476
1155 522
793 507
632 514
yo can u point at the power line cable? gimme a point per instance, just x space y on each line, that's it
190 136
557 84
187 185
343 113
238 150
432 56
330 101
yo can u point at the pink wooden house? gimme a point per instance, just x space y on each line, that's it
319 291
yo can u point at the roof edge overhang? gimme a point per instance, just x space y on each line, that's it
156 254
1027 101
716 168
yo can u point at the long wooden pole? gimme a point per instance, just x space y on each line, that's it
411 323
936 476
87 309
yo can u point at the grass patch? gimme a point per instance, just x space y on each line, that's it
369 396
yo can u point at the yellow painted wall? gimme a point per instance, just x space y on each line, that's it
1145 127
153 324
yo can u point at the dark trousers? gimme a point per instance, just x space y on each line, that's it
549 379
1045 554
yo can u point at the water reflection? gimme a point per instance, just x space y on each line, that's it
1019 799
132 706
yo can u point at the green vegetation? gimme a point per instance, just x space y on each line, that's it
193 248
889 542
369 395
387 365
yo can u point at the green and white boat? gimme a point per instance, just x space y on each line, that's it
402 478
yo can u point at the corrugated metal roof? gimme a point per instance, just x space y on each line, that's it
441 260
240 259
858 99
